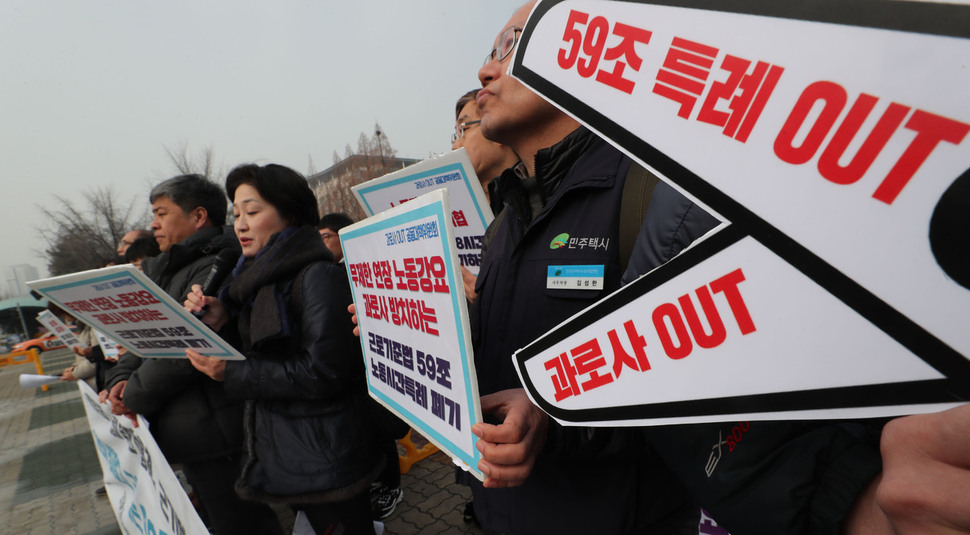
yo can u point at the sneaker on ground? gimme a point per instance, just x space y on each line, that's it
386 501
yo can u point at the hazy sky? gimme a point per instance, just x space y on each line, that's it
92 92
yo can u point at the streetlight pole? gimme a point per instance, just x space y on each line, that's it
380 146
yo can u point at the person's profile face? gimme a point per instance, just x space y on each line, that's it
508 108
171 224
332 240
488 158
126 241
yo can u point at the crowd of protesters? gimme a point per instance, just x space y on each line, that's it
293 424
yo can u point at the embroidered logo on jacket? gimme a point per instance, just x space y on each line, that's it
559 241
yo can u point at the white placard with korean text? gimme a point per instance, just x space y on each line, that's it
56 326
834 141
145 495
125 305
406 283
470 214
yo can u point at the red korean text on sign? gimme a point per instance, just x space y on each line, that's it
684 76
458 218
424 274
382 274
586 51
360 275
585 367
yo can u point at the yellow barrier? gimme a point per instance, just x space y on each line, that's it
23 357
413 454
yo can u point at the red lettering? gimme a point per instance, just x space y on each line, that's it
567 58
672 313
834 98
828 163
593 46
718 333
728 285
930 131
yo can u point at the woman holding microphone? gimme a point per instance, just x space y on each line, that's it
310 441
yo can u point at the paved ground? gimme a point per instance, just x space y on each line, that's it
49 469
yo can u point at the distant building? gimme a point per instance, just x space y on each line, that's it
15 279
332 186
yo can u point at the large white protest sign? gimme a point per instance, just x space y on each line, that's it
128 307
145 495
833 139
56 326
470 213
407 289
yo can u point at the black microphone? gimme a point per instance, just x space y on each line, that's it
225 261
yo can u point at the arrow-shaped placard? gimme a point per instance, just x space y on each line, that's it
833 137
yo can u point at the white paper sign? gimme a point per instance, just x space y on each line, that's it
145 495
470 214
128 307
835 143
56 326
407 288
108 346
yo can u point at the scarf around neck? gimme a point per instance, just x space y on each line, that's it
253 293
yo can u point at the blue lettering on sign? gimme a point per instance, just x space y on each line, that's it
114 465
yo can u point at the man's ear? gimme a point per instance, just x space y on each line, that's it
200 217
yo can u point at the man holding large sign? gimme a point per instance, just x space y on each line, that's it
556 250
827 497
191 418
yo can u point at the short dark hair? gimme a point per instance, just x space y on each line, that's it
141 248
280 186
334 221
464 100
189 192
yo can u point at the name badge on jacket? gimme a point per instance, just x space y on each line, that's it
583 277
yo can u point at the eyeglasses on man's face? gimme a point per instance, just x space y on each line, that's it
460 130
506 44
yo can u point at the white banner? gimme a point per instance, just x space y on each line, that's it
407 288
125 305
145 495
833 139
470 213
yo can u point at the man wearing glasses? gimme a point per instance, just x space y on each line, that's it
560 207
786 477
488 158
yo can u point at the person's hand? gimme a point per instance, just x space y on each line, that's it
85 352
468 280
68 375
216 314
103 396
925 485
118 407
509 450
213 367
353 317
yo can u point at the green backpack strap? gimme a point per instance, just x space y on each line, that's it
637 192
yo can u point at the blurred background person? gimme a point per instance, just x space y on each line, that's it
488 158
141 249
328 226
309 429
130 237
